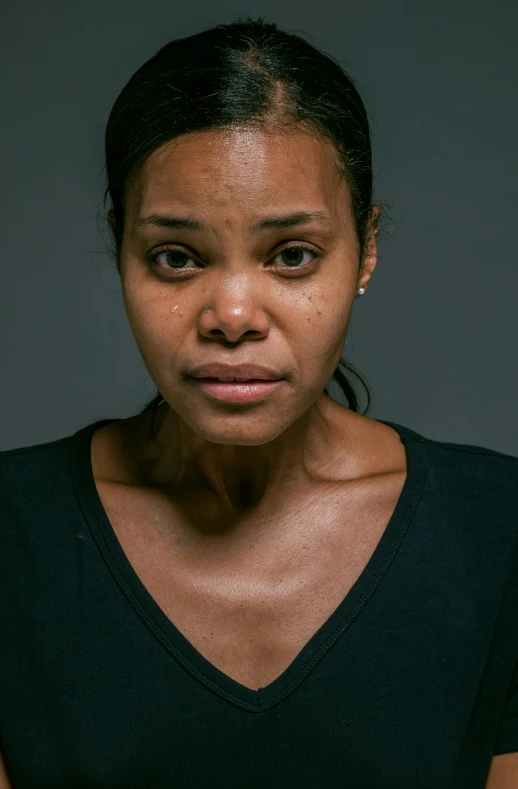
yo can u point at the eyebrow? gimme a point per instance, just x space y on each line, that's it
289 220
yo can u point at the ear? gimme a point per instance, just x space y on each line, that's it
374 219
370 254
371 248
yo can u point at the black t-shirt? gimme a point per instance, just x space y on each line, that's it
412 682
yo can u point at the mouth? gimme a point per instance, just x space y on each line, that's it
239 380
235 390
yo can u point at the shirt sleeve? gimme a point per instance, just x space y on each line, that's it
507 739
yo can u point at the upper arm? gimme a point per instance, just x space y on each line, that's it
4 778
504 772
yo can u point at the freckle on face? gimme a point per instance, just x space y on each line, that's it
229 187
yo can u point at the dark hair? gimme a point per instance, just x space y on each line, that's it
247 72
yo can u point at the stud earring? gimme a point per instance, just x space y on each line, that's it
361 291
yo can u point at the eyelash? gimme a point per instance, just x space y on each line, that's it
151 258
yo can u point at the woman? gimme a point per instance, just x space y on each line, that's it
247 583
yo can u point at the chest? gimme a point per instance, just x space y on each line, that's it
249 606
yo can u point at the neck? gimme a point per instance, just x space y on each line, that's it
237 478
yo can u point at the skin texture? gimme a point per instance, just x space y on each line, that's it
504 772
240 302
237 299
4 779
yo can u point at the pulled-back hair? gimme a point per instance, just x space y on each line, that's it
245 73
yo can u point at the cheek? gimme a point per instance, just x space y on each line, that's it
310 326
155 318
322 328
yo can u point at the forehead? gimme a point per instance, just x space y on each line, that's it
250 169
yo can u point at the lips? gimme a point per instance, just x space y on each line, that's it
232 380
251 391
245 371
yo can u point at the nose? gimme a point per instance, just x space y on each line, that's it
232 312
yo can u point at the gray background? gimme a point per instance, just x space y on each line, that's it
436 334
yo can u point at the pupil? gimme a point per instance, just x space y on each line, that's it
176 258
296 252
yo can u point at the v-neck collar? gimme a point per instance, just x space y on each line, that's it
178 645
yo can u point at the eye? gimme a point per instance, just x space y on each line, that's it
293 256
176 259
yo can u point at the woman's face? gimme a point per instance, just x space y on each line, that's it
211 275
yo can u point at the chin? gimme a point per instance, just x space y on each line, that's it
239 429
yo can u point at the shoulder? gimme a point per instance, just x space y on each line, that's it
455 455
481 469
39 515
469 497
37 490
24 467
471 488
